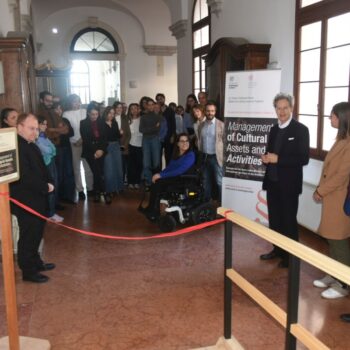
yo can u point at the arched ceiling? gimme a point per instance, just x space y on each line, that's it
153 15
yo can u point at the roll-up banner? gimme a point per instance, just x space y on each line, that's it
249 117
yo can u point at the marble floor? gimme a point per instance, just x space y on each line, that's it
161 294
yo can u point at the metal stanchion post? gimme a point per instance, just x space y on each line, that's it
228 282
292 299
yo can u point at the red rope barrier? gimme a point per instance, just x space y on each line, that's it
99 235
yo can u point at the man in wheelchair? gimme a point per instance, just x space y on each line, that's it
178 187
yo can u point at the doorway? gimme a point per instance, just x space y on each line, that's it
96 80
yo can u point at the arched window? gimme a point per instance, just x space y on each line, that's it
94 40
201 43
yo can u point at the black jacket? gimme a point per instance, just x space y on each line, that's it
293 155
32 187
90 143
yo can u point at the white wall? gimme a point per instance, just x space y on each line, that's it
6 19
261 22
265 22
138 66
184 61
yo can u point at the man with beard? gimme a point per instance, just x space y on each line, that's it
211 145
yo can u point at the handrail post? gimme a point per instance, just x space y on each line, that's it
292 300
227 281
9 270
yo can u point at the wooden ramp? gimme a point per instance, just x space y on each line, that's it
224 344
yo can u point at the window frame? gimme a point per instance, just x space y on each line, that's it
89 30
320 11
86 88
201 51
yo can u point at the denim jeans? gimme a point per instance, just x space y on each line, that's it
52 196
151 150
113 168
212 174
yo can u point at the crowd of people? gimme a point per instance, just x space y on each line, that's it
119 148
148 144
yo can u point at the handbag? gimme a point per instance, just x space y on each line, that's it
346 206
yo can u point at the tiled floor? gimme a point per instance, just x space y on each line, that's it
161 294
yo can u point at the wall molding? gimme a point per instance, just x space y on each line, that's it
158 50
179 28
26 23
215 6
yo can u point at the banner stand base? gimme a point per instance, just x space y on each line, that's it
224 344
26 343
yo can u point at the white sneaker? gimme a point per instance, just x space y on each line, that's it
336 290
131 186
324 282
137 186
56 218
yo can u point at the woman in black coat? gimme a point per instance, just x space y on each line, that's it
92 130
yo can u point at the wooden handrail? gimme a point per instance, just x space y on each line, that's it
308 339
302 334
311 256
267 304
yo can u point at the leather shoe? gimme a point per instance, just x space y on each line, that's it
345 317
269 256
37 278
47 267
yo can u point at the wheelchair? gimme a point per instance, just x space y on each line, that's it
184 202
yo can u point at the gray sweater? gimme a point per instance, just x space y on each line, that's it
150 124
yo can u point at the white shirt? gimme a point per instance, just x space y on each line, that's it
136 136
118 119
285 124
179 124
208 137
74 117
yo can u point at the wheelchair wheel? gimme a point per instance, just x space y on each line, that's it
167 223
203 213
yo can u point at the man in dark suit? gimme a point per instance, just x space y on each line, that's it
31 189
287 153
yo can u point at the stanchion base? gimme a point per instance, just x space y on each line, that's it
224 344
26 343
